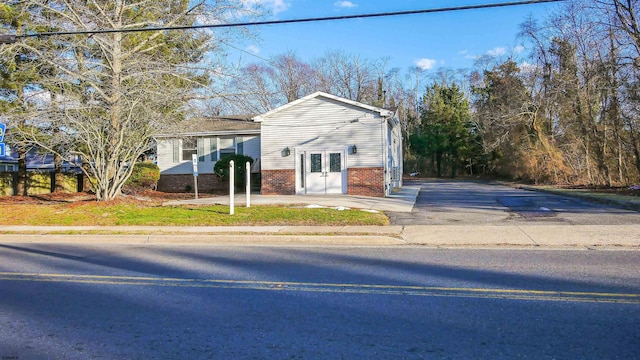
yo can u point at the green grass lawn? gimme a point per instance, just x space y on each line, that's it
94 213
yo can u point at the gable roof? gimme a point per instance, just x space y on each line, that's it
214 126
381 111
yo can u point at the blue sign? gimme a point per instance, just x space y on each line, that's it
3 127
2 150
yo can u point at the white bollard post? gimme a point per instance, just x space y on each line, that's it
232 171
248 189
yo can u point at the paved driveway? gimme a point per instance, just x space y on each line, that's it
453 202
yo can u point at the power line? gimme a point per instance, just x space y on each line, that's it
248 53
12 38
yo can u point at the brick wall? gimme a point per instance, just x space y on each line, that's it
365 181
180 182
278 182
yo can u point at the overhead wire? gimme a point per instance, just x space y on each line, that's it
290 21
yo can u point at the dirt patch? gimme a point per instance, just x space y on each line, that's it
147 197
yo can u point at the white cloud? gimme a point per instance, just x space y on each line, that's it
518 49
276 6
465 53
344 4
528 68
253 49
497 51
426 64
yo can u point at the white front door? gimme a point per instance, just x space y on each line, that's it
324 171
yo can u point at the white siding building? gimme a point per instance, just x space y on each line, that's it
324 144
209 139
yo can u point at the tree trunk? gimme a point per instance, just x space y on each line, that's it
58 175
23 181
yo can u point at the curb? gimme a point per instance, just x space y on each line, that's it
619 237
235 240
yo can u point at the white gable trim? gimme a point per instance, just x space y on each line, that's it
209 133
382 112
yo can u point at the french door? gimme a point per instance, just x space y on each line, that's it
324 171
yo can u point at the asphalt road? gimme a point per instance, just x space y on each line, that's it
213 302
442 202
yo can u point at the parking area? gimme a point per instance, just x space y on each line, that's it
457 202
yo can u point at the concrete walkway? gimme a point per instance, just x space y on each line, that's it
402 200
521 236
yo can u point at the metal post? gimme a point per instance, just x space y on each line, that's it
195 184
248 189
232 176
194 160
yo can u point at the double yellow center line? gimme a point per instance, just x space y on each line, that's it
403 290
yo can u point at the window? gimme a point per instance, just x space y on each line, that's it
7 168
302 170
176 150
189 148
201 149
227 147
316 163
334 162
214 148
239 145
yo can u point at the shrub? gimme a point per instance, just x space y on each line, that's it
222 168
145 175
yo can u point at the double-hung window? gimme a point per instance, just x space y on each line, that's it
231 146
189 148
218 148
227 147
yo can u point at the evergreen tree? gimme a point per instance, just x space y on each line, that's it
446 137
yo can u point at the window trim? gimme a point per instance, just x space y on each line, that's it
238 143
176 150
213 146
200 149
191 150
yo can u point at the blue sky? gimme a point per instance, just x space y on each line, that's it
450 40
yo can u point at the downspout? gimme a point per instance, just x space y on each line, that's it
400 151
385 156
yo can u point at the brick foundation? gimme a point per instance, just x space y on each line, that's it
278 182
179 183
365 182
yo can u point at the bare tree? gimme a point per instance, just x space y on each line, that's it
625 37
346 76
292 77
116 90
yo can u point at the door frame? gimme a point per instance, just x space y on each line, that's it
302 162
